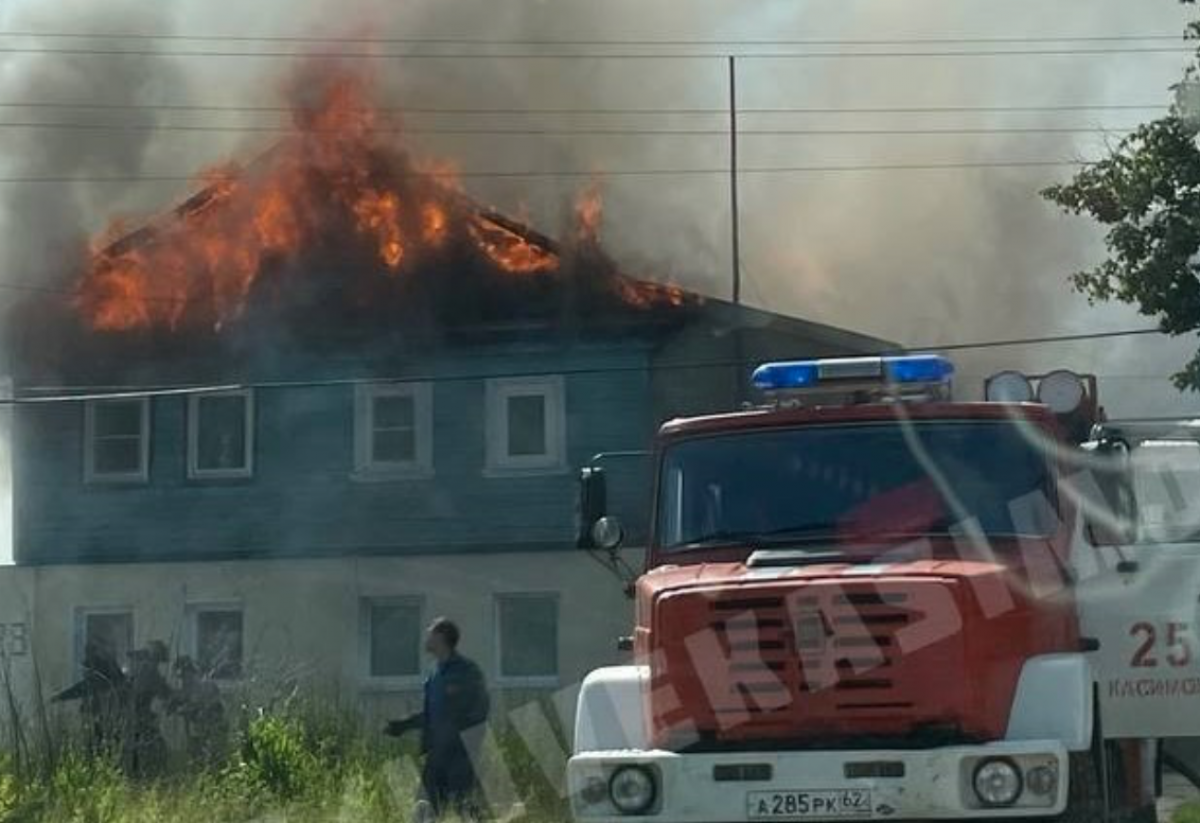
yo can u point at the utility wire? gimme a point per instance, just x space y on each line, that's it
599 111
63 394
592 173
486 41
634 55
586 132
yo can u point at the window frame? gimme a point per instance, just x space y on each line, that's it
402 682
527 680
499 391
142 473
79 617
365 395
195 472
192 611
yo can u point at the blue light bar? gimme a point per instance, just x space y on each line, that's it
918 368
891 370
800 374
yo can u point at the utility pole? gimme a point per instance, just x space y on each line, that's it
735 243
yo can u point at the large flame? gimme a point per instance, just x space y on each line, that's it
337 177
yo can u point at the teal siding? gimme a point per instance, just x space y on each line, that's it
302 499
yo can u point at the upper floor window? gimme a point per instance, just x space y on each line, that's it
393 429
526 424
117 440
390 633
221 434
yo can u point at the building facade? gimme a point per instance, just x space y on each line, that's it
299 515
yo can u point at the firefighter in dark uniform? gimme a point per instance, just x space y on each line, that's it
456 700
102 693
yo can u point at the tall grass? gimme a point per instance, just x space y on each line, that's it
289 760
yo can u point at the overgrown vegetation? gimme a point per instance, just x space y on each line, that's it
291 762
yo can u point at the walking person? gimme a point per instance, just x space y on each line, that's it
456 700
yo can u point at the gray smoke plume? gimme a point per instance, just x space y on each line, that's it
917 256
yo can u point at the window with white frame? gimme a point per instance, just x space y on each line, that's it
391 633
526 424
217 641
221 434
527 638
117 440
103 634
393 429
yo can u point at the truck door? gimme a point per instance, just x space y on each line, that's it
1139 595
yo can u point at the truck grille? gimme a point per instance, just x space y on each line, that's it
844 642
823 660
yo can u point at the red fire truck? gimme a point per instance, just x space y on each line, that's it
865 601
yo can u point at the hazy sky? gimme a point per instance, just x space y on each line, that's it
922 257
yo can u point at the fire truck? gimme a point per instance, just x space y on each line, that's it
864 600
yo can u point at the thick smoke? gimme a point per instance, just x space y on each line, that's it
920 257
45 225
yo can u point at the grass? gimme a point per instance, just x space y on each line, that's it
1187 813
289 763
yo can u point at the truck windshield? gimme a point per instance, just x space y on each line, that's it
854 482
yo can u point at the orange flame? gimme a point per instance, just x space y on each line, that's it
336 178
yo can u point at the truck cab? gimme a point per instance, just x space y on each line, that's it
864 600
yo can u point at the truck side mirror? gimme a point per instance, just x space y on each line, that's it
593 504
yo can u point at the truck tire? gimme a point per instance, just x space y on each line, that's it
1085 795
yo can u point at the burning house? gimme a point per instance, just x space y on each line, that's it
284 424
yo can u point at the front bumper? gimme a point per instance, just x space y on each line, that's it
926 784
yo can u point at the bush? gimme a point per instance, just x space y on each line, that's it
275 756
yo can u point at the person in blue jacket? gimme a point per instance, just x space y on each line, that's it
456 700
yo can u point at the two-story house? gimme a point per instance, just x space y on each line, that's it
295 493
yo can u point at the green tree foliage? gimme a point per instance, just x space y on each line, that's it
1147 195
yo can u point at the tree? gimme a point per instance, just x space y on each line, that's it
1147 193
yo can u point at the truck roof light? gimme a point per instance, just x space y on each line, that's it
905 371
1062 391
1009 387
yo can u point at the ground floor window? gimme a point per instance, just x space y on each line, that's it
391 629
103 633
217 640
527 638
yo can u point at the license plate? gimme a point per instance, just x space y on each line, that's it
848 804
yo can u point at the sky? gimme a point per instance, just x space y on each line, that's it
922 257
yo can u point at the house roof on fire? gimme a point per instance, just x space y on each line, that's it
487 279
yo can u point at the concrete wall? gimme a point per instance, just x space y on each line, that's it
302 618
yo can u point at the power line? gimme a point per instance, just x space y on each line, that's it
488 41
600 111
635 55
63 394
603 173
583 132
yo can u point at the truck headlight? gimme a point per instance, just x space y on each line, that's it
632 789
997 782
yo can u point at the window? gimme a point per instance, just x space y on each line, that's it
221 435
527 637
117 440
393 432
105 633
216 640
391 637
526 425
